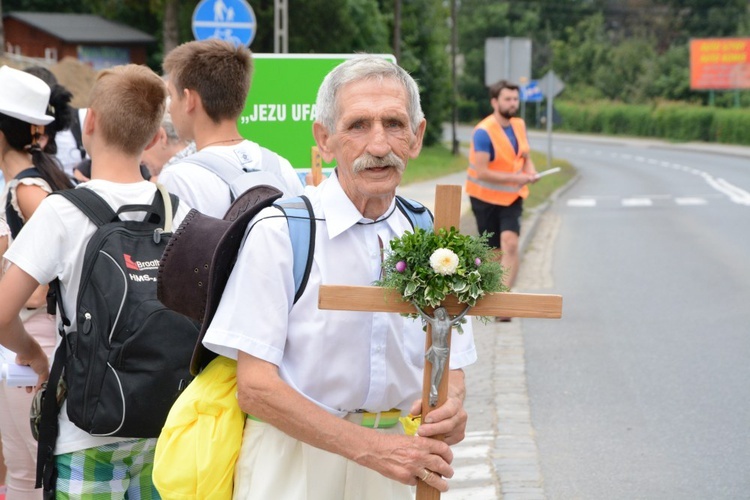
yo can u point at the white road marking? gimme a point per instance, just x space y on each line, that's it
636 202
690 201
582 202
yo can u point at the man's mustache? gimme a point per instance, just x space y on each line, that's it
370 161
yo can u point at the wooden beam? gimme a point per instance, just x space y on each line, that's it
376 299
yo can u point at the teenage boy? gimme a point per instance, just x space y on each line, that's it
208 83
127 104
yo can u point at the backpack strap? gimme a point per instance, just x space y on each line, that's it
301 220
217 164
100 213
11 216
75 129
46 471
269 160
418 214
91 204
228 171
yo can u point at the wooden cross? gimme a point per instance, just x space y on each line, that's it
375 299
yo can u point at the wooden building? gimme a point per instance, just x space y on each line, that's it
86 37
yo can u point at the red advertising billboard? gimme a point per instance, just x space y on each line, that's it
720 63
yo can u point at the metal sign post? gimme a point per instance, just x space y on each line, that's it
550 86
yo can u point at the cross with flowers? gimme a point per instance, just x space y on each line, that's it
377 299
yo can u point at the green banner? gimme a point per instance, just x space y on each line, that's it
280 109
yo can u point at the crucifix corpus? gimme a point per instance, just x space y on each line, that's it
440 319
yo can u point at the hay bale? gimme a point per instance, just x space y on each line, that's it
77 77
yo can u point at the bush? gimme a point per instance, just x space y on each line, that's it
672 121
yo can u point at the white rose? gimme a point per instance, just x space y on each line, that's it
444 261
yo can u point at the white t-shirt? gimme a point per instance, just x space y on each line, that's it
52 245
207 192
68 153
343 361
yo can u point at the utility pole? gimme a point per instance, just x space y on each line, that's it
454 98
397 30
280 26
170 32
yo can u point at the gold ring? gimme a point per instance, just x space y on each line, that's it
425 475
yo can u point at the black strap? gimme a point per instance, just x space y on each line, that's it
310 249
11 216
100 213
46 472
91 204
75 129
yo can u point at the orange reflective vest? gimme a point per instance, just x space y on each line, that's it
506 160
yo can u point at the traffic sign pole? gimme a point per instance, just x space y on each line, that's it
551 86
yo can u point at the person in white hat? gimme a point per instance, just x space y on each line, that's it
27 106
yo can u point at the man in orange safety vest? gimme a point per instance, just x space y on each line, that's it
500 170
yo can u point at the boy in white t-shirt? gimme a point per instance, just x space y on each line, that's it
127 104
208 83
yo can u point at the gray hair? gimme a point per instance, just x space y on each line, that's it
364 67
168 126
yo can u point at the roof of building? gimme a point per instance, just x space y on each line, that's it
82 28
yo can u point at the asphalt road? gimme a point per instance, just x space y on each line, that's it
641 390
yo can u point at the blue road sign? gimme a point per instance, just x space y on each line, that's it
230 20
531 92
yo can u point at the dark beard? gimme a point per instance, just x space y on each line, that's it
507 114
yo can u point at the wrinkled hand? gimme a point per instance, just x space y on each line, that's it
38 362
448 419
405 459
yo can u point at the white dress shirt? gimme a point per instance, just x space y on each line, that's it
341 360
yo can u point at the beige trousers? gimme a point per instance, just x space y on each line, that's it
274 465
19 446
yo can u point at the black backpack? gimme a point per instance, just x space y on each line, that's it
126 358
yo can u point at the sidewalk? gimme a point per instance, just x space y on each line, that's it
498 459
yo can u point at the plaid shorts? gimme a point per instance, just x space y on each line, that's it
114 471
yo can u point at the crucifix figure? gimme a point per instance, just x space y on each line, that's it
375 299
437 354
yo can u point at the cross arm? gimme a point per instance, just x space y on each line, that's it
377 299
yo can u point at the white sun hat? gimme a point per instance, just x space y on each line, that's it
24 96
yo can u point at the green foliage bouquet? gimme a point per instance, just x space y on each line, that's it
425 267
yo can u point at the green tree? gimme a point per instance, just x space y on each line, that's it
669 77
584 51
325 26
477 21
708 18
424 54
622 77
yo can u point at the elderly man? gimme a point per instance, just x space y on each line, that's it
323 390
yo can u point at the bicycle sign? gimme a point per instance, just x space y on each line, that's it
230 20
